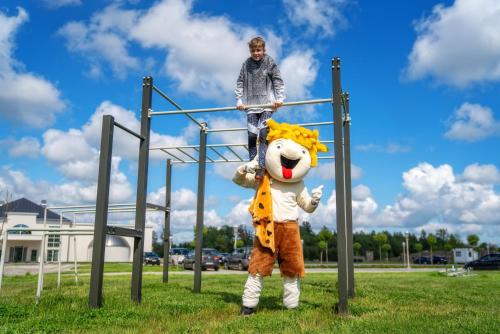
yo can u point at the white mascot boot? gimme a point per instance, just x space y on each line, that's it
251 294
291 292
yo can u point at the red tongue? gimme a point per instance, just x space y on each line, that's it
287 172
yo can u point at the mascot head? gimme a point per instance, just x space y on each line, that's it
292 151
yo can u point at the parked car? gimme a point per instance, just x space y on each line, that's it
209 259
239 259
177 255
422 260
151 258
223 257
487 262
427 260
439 260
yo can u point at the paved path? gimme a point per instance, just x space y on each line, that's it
20 270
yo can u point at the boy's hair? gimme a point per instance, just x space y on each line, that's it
257 42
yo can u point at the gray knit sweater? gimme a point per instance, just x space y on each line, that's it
259 82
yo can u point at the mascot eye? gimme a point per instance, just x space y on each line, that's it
278 147
303 152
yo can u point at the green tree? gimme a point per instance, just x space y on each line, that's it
386 248
473 240
322 246
418 248
431 240
357 248
327 236
380 238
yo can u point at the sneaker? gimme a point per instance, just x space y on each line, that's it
246 311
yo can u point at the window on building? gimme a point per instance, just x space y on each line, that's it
458 253
20 232
52 255
470 254
34 254
53 241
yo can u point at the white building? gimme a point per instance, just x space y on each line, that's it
463 255
25 246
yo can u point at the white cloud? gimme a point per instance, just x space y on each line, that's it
73 192
25 147
321 17
202 53
472 122
103 40
458 45
326 171
25 98
482 174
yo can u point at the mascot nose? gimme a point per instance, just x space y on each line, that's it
291 152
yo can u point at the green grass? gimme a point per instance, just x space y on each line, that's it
385 303
117 267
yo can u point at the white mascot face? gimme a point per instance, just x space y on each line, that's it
287 161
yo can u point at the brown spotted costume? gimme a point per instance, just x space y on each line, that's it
275 209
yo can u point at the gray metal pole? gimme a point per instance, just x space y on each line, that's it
200 208
142 187
2 257
339 188
166 229
101 213
348 197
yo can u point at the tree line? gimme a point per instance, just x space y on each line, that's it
322 245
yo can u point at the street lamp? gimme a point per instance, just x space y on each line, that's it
235 229
404 254
407 234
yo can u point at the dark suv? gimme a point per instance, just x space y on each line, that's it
239 259
209 259
487 262
151 258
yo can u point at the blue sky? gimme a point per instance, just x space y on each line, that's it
423 78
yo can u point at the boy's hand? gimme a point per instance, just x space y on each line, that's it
241 107
277 104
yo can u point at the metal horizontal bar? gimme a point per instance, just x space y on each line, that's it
236 154
175 105
185 153
171 154
326 157
286 104
157 207
125 232
245 129
87 206
206 155
218 153
118 125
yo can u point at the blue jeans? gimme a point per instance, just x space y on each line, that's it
257 129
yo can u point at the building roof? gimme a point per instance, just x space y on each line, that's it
26 206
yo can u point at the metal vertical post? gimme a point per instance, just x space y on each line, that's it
142 186
339 188
101 213
166 229
200 207
348 198
39 286
2 257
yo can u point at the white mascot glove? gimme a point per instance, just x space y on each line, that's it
249 167
316 194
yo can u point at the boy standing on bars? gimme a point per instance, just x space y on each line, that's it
259 83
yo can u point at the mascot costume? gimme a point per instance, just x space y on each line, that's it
292 151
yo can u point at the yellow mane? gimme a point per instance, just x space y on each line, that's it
300 135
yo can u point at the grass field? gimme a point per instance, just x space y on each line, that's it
385 303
